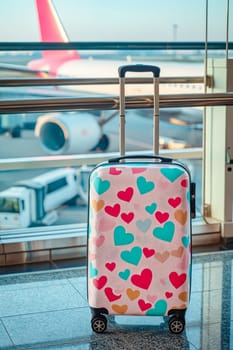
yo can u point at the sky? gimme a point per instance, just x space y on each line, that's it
119 20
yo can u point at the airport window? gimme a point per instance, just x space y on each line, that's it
56 185
90 22
87 134
22 204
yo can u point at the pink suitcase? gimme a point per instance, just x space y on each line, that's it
139 233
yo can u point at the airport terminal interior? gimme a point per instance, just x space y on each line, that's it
56 126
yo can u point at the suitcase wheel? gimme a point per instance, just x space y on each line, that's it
176 324
99 324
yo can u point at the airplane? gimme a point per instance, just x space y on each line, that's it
79 132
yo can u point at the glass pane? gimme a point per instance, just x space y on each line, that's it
217 31
230 34
217 20
115 21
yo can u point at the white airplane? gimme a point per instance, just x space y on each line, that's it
80 132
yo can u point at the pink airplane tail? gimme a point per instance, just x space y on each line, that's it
51 30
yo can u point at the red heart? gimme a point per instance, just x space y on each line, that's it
113 210
161 217
148 252
127 217
126 195
168 295
174 202
110 295
184 183
99 283
143 280
114 171
143 305
110 266
177 280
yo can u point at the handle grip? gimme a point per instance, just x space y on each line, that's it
146 156
138 68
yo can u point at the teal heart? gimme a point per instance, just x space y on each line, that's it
166 232
93 271
144 186
185 241
159 308
124 274
100 185
172 173
121 237
132 256
143 225
151 208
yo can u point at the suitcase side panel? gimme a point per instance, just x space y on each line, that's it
139 245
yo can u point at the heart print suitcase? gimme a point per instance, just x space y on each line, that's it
139 232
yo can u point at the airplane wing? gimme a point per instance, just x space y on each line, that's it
18 71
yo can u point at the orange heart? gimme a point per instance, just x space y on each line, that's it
97 205
181 216
178 252
181 307
120 309
183 296
162 257
132 294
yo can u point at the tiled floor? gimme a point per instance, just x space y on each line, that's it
48 310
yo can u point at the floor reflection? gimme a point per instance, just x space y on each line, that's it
49 310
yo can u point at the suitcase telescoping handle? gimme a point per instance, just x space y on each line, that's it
139 68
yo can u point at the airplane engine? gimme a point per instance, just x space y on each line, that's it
68 133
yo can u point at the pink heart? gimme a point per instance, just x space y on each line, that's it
119 291
138 170
136 206
162 281
92 257
184 263
99 241
162 185
151 298
105 224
